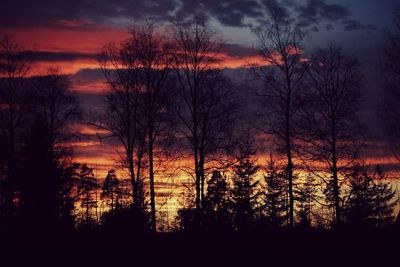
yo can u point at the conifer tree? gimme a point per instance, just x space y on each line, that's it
384 199
111 191
244 197
216 205
87 186
306 196
275 196
370 200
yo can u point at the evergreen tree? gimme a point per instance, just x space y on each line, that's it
216 204
244 197
40 183
384 199
329 195
187 216
275 196
48 182
370 200
69 195
306 196
111 191
87 186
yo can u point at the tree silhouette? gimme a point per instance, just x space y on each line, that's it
331 132
205 105
275 196
48 176
306 196
39 184
111 191
370 201
157 84
87 185
51 98
243 193
280 46
391 75
123 118
217 202
69 195
385 199
14 68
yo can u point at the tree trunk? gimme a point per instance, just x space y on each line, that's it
87 207
335 184
132 177
290 180
289 163
202 179
196 158
151 176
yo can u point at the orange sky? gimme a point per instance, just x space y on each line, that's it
90 150
87 42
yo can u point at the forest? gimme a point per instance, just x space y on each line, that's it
268 162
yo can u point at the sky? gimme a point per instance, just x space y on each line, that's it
74 31
70 33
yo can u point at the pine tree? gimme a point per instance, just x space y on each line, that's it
244 197
275 196
384 199
40 183
329 194
111 191
69 195
306 196
87 186
216 204
370 201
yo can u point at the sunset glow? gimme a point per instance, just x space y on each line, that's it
197 132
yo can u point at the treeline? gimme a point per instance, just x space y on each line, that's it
168 98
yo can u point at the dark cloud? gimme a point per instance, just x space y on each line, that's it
45 56
89 74
353 25
236 50
329 27
77 13
59 56
228 12
315 11
86 14
277 7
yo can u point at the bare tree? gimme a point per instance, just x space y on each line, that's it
14 68
45 183
280 47
156 95
122 118
141 73
205 104
391 74
331 132
51 98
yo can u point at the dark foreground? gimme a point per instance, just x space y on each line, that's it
262 248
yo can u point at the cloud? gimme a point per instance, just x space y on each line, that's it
82 15
238 51
353 25
77 13
227 12
88 83
280 7
329 27
46 56
315 11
